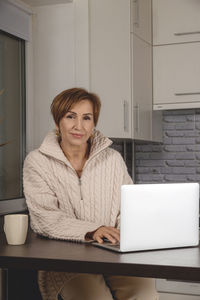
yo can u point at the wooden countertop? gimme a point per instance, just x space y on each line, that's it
43 254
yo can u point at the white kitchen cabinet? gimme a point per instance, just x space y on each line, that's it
118 71
110 72
142 97
176 54
141 19
176 21
176 76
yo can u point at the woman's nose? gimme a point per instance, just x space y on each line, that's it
78 124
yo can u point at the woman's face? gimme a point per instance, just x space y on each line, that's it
77 125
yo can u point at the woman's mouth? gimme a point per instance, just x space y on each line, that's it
77 136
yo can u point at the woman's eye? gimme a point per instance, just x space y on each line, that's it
69 117
87 118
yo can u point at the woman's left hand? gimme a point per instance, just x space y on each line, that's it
112 234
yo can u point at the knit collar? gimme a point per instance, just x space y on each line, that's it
51 147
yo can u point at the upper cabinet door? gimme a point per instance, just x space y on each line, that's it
176 76
110 60
141 19
176 21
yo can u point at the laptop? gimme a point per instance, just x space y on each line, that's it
157 216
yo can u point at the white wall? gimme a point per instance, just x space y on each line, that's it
53 62
57 59
81 15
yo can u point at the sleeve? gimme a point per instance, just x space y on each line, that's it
47 218
125 180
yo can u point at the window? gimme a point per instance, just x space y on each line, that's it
12 115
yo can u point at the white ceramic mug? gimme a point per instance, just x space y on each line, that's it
15 228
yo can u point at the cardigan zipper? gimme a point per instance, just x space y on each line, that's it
80 188
79 181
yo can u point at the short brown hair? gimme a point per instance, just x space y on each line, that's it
64 101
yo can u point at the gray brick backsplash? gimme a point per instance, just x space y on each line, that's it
168 126
191 118
191 133
167 141
162 155
182 141
146 179
184 170
173 133
185 155
142 155
197 125
194 178
175 178
175 163
174 148
150 163
185 126
145 170
197 116
177 159
194 148
197 141
192 163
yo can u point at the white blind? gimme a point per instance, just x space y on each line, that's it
15 19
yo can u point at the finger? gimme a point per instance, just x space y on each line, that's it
98 237
113 232
99 240
114 229
115 235
110 238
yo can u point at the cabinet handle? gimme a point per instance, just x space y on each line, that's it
187 94
137 117
136 10
186 33
125 116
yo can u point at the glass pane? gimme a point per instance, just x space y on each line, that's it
12 116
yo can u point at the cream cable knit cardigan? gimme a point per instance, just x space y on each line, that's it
64 206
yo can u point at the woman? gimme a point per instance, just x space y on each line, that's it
72 188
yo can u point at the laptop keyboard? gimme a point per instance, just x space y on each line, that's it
117 245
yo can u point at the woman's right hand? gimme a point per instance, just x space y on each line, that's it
110 233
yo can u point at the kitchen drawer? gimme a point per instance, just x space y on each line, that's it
176 21
178 287
166 296
176 76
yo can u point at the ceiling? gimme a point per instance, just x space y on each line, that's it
45 2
